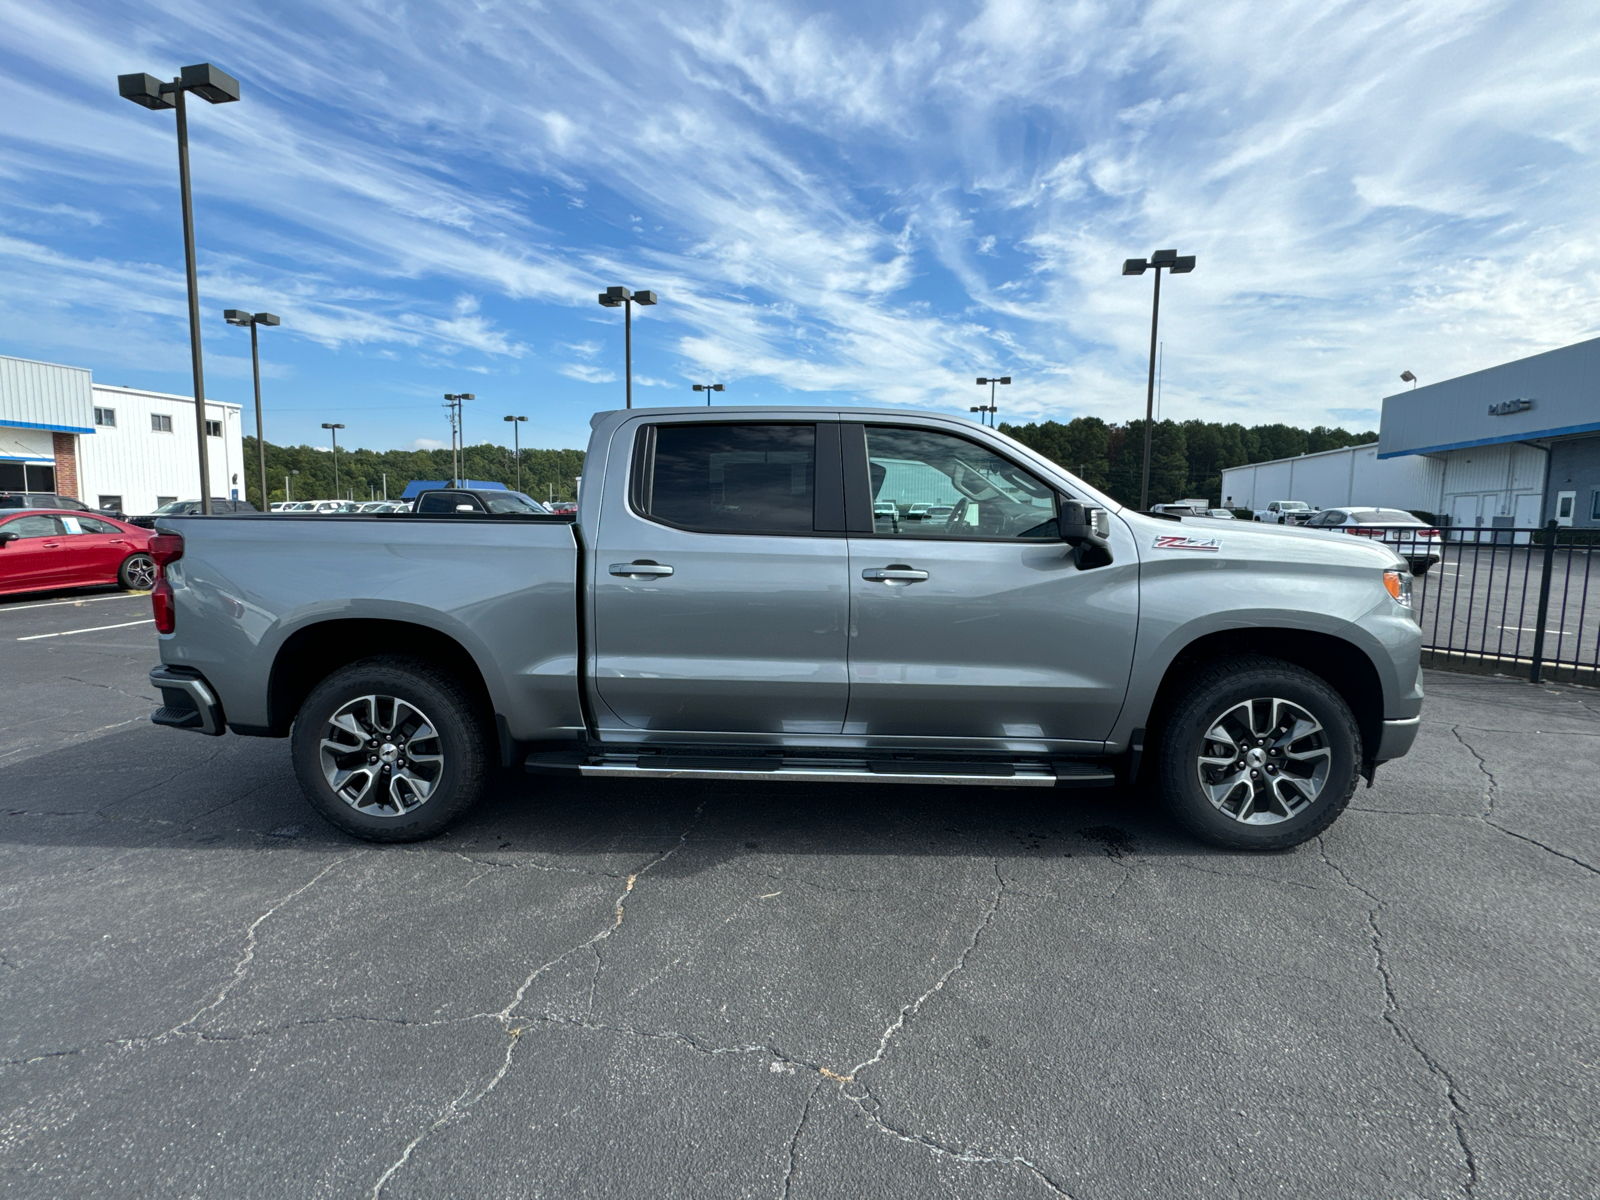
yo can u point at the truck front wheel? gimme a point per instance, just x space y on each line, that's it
1258 754
390 749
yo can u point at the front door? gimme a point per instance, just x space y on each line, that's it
33 560
970 617
721 603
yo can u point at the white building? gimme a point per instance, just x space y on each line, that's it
1354 476
111 447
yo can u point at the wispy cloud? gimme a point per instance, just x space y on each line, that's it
869 206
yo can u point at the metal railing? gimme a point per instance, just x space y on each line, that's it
1518 600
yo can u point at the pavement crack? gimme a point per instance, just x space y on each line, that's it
1491 793
794 1141
1456 1109
242 967
462 1104
910 1010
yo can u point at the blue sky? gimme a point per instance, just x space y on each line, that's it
837 203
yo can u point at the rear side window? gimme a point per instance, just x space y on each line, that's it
95 525
446 502
1384 516
728 478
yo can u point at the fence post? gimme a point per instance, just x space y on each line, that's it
1544 601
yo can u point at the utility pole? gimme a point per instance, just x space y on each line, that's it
1161 260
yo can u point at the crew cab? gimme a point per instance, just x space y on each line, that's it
737 598
1285 512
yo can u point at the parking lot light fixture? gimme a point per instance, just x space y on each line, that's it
708 388
990 408
453 401
235 316
1408 377
334 429
516 444
218 87
625 299
1177 264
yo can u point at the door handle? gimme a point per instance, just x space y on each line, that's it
895 574
639 570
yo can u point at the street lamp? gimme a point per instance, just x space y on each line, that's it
335 431
217 87
517 446
621 297
235 316
1408 377
452 401
989 408
708 388
1159 261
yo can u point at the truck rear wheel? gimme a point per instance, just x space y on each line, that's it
1258 754
390 749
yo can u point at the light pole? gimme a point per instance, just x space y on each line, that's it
517 446
1408 377
236 316
1159 261
621 297
288 496
334 429
708 388
452 401
218 87
991 408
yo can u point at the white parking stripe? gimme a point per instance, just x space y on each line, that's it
89 600
69 632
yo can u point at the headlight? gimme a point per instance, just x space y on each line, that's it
1399 585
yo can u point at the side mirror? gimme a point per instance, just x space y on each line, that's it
1087 528
7 537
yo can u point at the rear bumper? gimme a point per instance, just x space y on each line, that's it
1397 738
187 701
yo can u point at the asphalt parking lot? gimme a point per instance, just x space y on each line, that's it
595 989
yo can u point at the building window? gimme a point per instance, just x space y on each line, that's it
213 428
110 504
106 417
160 423
162 501
1594 508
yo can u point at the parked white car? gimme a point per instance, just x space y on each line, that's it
1286 512
1412 538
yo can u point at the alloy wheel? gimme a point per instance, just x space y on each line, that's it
1263 761
382 756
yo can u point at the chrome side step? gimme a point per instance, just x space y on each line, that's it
874 770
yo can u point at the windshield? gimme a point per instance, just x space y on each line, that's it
1292 506
175 506
511 502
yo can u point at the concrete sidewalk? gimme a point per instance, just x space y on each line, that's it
770 990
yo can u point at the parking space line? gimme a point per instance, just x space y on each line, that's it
34 637
88 600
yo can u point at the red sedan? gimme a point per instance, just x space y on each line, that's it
42 549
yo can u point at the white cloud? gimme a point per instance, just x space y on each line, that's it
423 443
587 374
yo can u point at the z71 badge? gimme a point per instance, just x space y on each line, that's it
1176 541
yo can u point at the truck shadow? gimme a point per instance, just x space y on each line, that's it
146 788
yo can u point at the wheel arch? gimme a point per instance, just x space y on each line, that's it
1341 664
315 651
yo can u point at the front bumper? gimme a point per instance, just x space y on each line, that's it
1397 738
187 701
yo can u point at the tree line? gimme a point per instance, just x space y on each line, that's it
546 474
1186 457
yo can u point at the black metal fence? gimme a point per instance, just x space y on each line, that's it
1511 600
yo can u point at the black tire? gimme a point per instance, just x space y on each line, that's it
1213 698
138 573
428 698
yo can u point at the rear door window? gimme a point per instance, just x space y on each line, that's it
721 478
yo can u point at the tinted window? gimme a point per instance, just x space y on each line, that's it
513 502
95 525
446 502
32 527
940 485
731 478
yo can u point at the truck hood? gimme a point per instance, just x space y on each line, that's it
1263 542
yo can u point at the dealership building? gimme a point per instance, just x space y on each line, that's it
1508 447
116 448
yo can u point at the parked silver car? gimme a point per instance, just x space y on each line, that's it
1408 535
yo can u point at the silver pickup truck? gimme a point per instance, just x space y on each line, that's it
856 596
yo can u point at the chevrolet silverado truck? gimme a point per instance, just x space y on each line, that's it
742 596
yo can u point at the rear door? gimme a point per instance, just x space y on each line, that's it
34 560
97 548
719 580
979 625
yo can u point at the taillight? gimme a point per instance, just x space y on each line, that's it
1359 531
164 548
1428 533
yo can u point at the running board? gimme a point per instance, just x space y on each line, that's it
818 770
